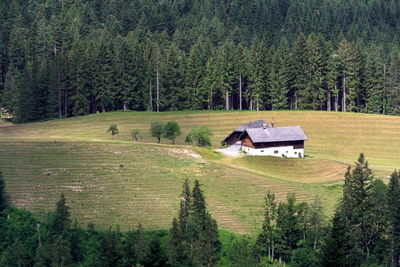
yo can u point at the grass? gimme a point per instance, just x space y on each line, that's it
126 183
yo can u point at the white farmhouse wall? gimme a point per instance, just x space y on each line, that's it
282 151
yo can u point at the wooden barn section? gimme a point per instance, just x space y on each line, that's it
236 135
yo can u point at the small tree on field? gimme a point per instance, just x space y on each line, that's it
172 131
157 130
113 130
135 134
199 135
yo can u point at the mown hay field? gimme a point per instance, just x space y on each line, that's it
123 182
127 184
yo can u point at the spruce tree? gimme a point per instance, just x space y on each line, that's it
298 78
61 221
111 249
333 250
173 79
393 204
194 236
257 75
374 82
392 90
3 200
278 77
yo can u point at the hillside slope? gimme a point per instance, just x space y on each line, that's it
123 182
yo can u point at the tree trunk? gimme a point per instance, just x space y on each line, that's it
384 90
315 238
344 94
273 250
150 98
328 102
336 98
257 106
251 104
210 99
59 92
158 89
125 108
226 100
66 104
240 92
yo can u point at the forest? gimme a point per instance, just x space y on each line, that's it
364 231
62 58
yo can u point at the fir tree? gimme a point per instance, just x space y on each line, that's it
278 77
393 198
3 199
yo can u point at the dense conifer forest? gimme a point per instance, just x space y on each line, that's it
61 58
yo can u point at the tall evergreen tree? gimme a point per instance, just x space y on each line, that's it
393 198
3 199
279 77
257 75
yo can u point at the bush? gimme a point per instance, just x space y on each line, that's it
135 134
304 257
113 129
199 135
157 130
172 131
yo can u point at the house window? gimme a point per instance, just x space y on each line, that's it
262 150
295 153
276 152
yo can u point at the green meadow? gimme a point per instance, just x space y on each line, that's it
123 182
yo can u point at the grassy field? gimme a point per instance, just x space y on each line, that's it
126 183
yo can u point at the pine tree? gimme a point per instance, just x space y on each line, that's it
61 220
211 80
333 76
227 72
393 204
78 79
313 96
392 92
257 75
3 200
111 249
10 95
333 250
194 236
196 71
61 251
355 212
278 77
103 79
350 75
173 79
374 81
298 78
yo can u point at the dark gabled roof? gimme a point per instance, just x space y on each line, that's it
252 124
241 128
277 134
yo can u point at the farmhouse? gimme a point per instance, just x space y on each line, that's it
261 139
236 135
